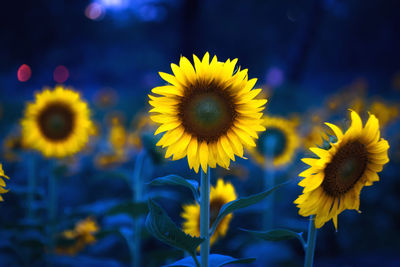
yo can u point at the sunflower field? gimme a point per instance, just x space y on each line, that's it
199 133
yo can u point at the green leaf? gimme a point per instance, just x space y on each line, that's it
160 225
134 209
178 180
214 260
240 204
277 235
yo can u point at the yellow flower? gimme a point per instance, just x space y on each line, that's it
58 122
142 124
334 180
384 112
208 112
219 196
12 145
280 136
2 182
82 235
118 136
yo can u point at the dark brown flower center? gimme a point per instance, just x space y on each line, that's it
272 143
207 110
215 207
56 121
345 169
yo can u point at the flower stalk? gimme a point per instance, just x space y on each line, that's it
311 241
269 182
31 184
137 189
52 206
205 217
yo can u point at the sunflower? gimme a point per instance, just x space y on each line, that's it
282 135
13 145
58 122
78 238
2 183
386 113
334 181
207 111
219 196
118 136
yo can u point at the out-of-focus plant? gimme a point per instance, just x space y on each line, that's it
58 125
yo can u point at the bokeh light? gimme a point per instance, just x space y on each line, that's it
60 74
94 11
24 73
275 76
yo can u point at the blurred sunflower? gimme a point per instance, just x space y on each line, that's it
2 182
141 123
221 194
334 180
143 137
117 139
281 135
13 144
384 112
208 112
77 239
118 136
353 93
58 122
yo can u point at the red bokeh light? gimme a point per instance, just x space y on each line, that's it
24 73
60 74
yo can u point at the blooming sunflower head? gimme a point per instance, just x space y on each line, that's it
58 122
277 145
336 176
221 194
208 112
2 182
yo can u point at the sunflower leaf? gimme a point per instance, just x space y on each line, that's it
214 260
160 225
277 235
240 204
178 180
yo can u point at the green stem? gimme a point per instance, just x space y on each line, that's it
205 216
52 206
137 189
31 185
269 182
311 241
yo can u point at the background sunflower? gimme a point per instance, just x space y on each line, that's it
277 145
220 194
58 122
